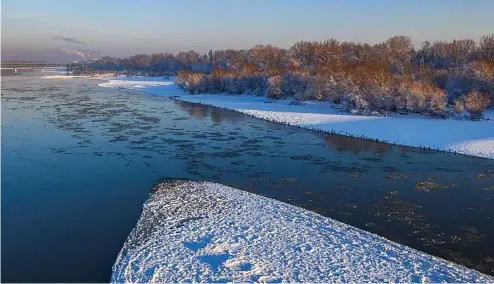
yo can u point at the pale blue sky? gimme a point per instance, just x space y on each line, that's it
125 27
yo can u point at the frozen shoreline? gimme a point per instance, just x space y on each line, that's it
207 232
475 138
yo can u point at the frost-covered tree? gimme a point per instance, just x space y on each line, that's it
398 51
486 48
356 52
275 87
476 103
270 59
461 51
187 58
328 55
305 53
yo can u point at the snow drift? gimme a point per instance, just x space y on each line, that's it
207 232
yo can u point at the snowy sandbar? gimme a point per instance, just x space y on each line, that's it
207 232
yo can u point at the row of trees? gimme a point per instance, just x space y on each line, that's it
390 76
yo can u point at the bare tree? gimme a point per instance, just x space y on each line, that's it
355 52
187 58
328 54
305 52
269 58
486 48
476 103
461 51
399 50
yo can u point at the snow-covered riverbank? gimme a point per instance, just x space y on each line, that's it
474 138
207 232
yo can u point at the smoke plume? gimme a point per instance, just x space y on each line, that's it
74 52
69 40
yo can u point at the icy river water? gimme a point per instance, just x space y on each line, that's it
78 162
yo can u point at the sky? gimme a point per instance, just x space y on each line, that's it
126 27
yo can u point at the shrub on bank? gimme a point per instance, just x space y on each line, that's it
364 88
476 103
358 92
274 89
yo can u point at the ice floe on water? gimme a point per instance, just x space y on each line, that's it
474 138
207 232
135 82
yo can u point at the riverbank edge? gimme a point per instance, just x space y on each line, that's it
463 147
315 128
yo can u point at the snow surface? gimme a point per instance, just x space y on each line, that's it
149 83
207 232
65 77
474 138
60 70
489 114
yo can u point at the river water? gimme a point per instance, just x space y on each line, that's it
78 162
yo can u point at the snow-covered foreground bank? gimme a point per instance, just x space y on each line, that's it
207 232
474 138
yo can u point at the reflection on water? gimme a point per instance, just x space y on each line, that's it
216 115
78 162
344 143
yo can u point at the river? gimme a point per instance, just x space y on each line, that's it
78 162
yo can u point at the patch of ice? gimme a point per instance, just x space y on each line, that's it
207 232
64 77
153 85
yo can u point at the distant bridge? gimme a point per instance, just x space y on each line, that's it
36 64
15 67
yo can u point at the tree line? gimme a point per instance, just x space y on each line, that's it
442 78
